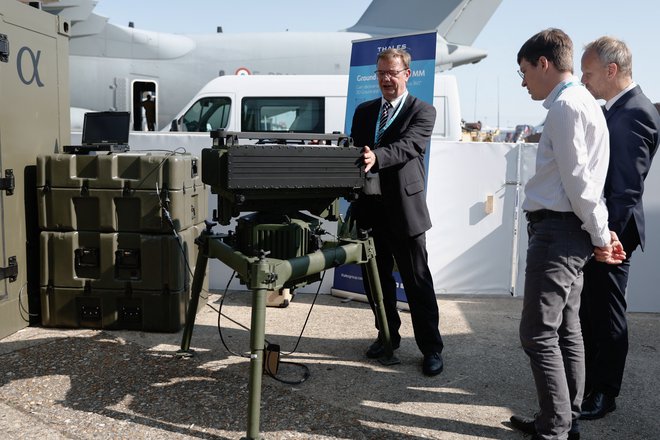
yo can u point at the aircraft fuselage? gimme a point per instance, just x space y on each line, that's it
112 70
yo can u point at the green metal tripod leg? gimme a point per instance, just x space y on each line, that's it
197 283
257 340
264 275
381 316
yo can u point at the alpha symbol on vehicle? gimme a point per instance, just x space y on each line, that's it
33 60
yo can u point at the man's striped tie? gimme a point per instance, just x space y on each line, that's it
384 115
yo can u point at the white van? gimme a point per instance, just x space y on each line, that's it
294 103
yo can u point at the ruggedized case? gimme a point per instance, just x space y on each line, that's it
124 192
119 280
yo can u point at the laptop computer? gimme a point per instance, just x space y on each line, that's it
103 131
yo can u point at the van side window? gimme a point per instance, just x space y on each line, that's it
207 114
300 115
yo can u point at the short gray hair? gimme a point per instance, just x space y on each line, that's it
612 50
393 53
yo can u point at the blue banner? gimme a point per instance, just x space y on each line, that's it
363 86
419 46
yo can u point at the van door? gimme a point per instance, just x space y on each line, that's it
206 114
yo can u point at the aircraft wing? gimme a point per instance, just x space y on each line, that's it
79 14
457 21
72 10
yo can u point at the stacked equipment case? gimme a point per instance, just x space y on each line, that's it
118 239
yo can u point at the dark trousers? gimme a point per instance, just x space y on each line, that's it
550 326
411 259
603 319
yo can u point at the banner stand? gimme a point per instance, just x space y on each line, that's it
401 305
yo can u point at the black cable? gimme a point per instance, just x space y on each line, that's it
192 275
162 162
166 213
170 153
307 318
220 314
306 371
24 312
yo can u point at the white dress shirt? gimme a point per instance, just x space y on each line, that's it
394 104
572 160
372 183
610 103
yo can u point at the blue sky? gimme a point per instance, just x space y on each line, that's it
490 90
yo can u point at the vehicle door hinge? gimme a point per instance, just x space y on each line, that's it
4 48
7 184
10 271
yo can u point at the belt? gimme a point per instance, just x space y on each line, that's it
541 214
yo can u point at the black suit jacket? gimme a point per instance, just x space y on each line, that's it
399 162
633 123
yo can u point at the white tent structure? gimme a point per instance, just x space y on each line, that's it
478 241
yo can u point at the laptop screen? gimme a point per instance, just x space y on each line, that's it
106 128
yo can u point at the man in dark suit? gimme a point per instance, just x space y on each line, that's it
633 124
394 132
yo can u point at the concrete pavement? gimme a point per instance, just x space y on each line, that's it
82 383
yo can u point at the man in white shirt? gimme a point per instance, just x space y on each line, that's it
567 221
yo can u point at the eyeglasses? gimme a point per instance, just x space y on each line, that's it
389 73
522 75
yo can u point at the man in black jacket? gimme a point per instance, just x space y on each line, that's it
633 123
394 132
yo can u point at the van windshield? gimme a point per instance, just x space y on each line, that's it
207 114
298 115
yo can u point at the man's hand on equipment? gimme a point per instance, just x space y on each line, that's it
368 158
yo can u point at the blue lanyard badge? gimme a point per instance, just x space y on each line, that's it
378 133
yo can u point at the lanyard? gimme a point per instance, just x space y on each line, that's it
564 87
379 133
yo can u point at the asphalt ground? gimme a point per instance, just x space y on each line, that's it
99 384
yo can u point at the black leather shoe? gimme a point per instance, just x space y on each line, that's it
377 349
526 425
432 364
597 405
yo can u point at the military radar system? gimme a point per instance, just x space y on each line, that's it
277 186
279 182
286 174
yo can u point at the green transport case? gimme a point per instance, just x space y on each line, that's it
115 309
118 274
124 192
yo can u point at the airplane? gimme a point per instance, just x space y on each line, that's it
115 67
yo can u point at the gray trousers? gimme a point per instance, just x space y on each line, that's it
550 325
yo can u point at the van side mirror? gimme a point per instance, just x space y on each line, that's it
174 126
